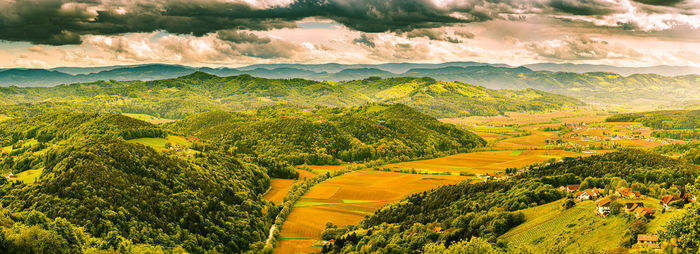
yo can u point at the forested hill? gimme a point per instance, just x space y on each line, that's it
330 135
110 194
456 99
448 215
200 92
678 124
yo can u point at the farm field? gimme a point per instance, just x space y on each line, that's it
29 176
280 187
577 130
148 118
347 199
483 162
159 143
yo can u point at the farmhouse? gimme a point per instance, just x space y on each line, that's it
631 206
640 212
587 194
668 199
652 240
603 206
628 193
572 187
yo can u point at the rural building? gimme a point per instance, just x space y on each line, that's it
587 194
640 212
631 206
572 187
628 193
652 240
668 199
603 205
10 176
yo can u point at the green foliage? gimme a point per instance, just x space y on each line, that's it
456 99
279 135
200 92
683 231
631 165
677 124
121 191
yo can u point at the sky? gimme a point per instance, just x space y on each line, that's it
54 33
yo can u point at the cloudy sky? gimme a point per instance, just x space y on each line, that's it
51 33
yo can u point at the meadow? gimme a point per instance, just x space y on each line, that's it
346 200
148 118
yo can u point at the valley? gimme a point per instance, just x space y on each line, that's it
311 177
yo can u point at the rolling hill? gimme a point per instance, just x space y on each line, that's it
199 92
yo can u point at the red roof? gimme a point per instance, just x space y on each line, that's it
668 199
573 186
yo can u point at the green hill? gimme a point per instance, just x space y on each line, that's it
330 135
678 124
456 99
200 92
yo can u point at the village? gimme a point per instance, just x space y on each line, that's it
631 202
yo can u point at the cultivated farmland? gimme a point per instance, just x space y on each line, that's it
347 199
482 162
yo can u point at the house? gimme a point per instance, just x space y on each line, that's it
437 229
572 187
628 193
643 212
587 194
10 176
652 240
603 205
631 206
668 199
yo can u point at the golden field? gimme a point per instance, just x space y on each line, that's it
484 162
347 199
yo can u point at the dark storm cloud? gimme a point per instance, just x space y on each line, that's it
365 40
60 22
584 7
660 2
241 37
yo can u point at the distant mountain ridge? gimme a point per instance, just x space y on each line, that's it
601 87
198 92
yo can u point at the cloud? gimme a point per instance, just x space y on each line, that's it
189 49
464 34
365 40
37 49
580 48
60 22
241 37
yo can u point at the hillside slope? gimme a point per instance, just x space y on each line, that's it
331 135
200 92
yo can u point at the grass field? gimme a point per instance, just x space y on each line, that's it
148 118
29 176
159 143
483 162
577 228
347 199
3 117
